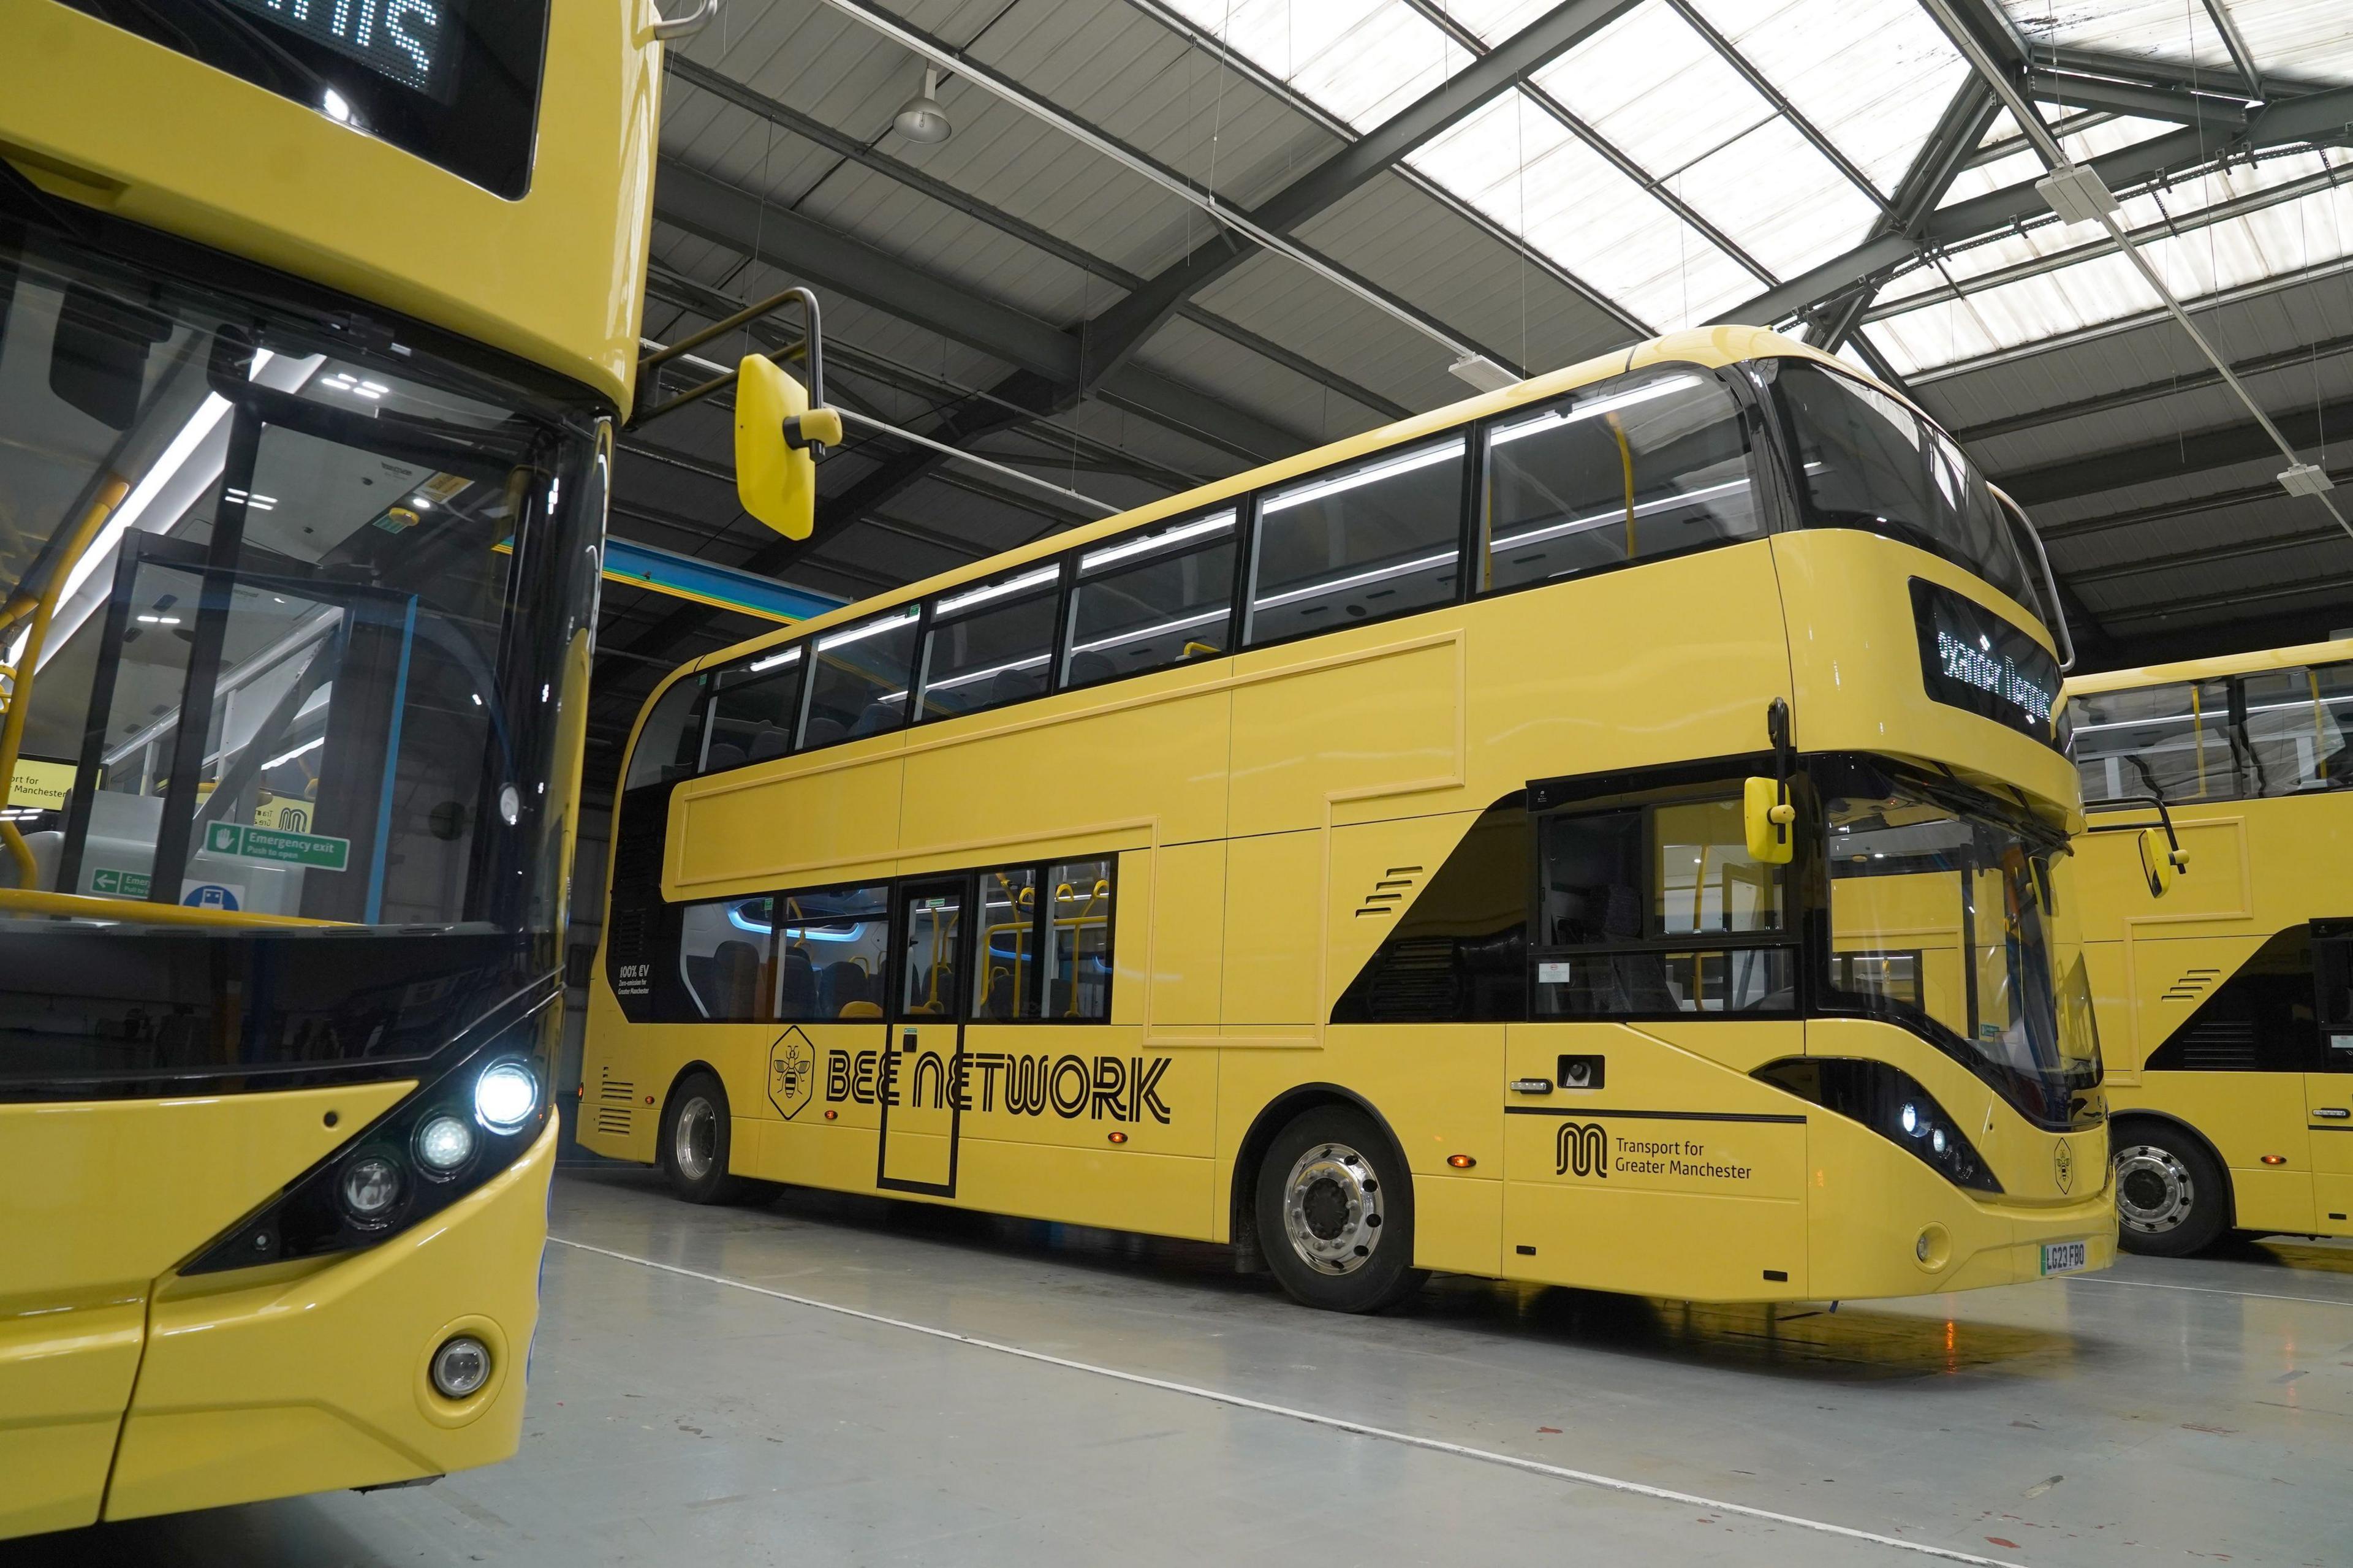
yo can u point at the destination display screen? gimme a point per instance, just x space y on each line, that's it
414 42
455 82
1972 659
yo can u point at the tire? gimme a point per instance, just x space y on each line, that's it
2173 1198
1334 1209
695 1140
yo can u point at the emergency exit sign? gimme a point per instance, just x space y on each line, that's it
320 850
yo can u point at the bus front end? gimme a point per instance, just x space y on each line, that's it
300 511
1949 1022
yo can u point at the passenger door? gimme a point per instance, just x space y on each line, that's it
923 1070
2328 1090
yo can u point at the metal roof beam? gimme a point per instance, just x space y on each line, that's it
2174 457
2325 117
2069 90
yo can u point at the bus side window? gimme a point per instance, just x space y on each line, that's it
1004 974
2173 742
833 952
669 745
859 684
1078 940
723 957
990 644
1631 468
1379 537
1152 600
2332 973
753 709
2294 730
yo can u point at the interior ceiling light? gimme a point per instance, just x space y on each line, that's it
921 117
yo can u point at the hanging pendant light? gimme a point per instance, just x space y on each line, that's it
921 117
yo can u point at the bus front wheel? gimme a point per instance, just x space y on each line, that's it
2173 1199
1334 1209
696 1135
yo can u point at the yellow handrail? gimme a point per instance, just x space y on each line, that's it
20 688
79 906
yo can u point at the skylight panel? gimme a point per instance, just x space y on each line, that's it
2095 139
1874 76
2311 40
2027 311
1485 157
1778 198
1495 20
1655 89
2142 29
1362 60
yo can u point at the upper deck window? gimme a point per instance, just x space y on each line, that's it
455 82
990 644
2276 732
859 685
1374 538
1628 469
1867 461
1153 599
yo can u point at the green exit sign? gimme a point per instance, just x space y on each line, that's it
106 880
320 850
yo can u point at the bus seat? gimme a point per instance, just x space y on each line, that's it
722 754
797 990
1086 667
823 731
880 715
770 741
736 977
838 984
1013 685
861 1010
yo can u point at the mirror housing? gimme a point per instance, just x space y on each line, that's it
775 430
1769 819
2161 862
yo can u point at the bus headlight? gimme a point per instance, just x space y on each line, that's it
444 1144
460 1367
506 1096
1891 1104
370 1187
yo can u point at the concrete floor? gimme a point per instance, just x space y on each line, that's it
977 1391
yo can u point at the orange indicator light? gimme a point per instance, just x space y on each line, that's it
1119 1137
1461 1161
2275 1159
832 1114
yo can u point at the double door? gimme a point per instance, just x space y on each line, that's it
921 1085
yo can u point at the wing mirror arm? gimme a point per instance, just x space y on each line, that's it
2161 860
1768 813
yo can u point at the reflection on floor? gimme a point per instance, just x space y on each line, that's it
2173 1410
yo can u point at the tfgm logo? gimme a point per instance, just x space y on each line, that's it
2063 1166
1582 1147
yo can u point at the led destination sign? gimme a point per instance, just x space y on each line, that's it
414 42
1972 659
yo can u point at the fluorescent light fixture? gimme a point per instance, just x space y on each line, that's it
1378 575
1140 633
1481 372
159 620
997 590
1554 418
1142 542
874 627
285 757
1282 500
775 660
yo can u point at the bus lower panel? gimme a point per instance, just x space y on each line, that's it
318 1380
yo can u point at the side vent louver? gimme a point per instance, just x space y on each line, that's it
2219 1045
616 1106
2193 985
1391 893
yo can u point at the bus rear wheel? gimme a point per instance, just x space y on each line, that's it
696 1136
1334 1209
2171 1198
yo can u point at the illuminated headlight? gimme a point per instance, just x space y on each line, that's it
370 1187
1910 1118
444 1143
1936 1139
506 1096
460 1367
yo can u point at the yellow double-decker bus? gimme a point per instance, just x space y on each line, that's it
2228 1002
1602 833
314 322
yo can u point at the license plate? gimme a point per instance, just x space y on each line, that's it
2062 1256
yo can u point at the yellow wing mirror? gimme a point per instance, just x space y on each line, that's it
778 437
1768 820
2160 860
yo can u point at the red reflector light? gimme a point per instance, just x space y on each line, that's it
650 1100
1461 1161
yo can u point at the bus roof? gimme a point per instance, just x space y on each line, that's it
1714 347
2333 652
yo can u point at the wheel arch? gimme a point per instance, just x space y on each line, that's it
1271 1120
2121 1124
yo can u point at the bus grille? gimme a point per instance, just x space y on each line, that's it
2219 1045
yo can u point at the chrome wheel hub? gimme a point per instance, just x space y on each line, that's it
2154 1192
1332 1208
695 1149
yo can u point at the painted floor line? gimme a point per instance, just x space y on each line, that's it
2207 1290
1362 1429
